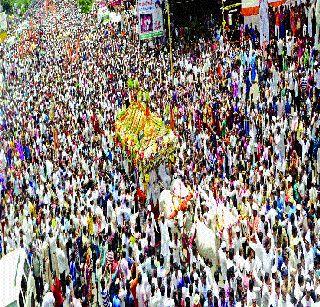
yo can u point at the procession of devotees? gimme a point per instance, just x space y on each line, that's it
246 116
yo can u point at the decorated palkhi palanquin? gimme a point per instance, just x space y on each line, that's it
147 141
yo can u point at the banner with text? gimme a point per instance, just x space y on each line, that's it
3 22
150 18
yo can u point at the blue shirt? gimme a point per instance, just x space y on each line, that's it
280 262
116 301
73 271
129 299
292 210
280 207
105 297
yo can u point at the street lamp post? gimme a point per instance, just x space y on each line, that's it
223 20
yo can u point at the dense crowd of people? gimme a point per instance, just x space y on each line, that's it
247 120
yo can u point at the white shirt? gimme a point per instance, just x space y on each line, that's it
141 295
48 300
155 300
307 303
317 78
168 302
62 261
285 302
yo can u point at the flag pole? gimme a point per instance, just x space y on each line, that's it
223 20
171 61
170 38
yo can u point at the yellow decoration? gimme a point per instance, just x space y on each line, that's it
144 135
147 178
3 36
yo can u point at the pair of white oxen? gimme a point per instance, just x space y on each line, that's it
170 201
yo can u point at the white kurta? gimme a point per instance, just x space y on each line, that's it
164 238
264 22
318 161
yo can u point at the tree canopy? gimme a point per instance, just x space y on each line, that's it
14 6
85 6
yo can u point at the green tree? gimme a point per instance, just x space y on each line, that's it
85 6
12 6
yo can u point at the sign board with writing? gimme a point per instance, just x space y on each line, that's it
150 18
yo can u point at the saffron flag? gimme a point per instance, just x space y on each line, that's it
251 7
55 139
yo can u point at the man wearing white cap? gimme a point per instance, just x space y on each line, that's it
307 299
223 259
238 240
